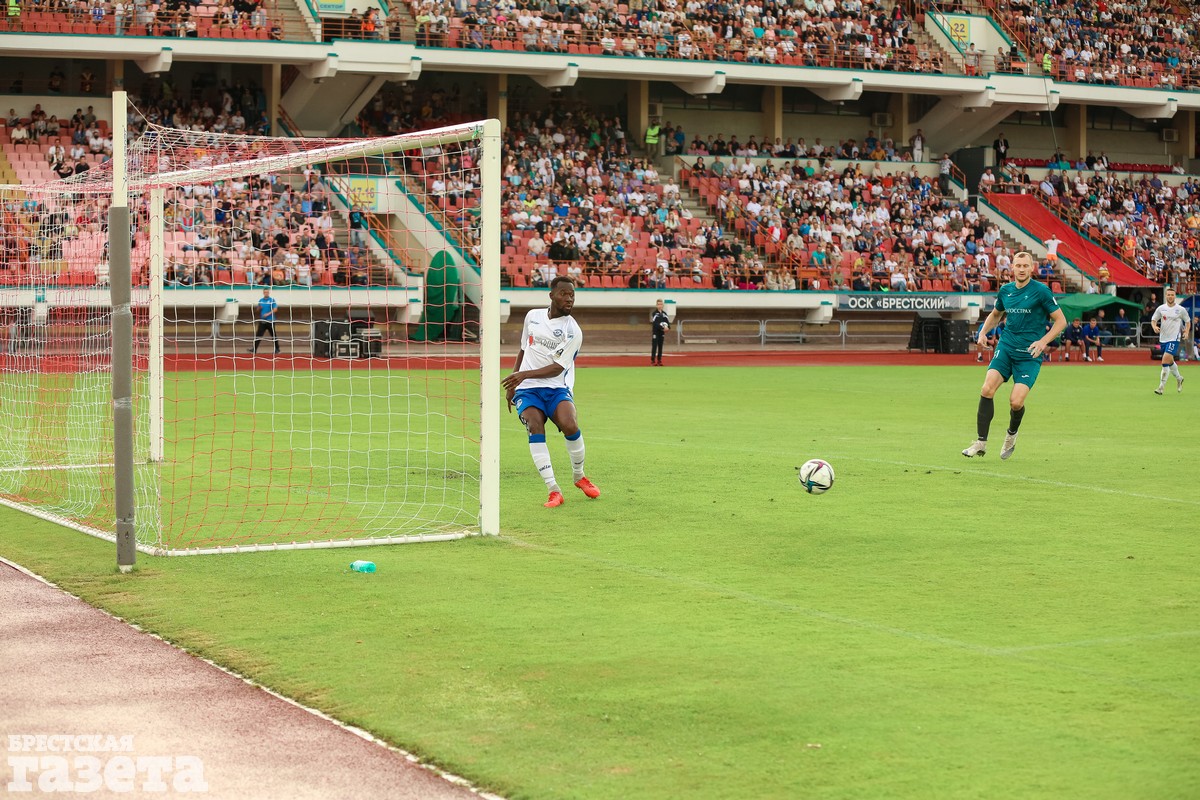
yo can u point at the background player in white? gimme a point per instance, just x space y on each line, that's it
1171 323
1052 249
550 340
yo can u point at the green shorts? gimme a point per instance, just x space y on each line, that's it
1021 367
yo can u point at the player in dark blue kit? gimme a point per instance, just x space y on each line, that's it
1026 306
1093 341
1073 339
989 345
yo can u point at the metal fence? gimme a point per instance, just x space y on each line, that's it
851 333
842 334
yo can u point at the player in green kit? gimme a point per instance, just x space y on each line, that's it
1025 306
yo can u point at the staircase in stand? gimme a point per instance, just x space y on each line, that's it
703 212
1028 212
927 46
406 29
295 23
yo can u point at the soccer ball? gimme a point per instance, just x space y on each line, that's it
816 476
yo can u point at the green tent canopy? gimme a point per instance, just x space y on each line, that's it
443 301
1084 305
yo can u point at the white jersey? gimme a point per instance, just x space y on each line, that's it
546 341
1171 321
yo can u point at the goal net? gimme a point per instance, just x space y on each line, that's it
315 339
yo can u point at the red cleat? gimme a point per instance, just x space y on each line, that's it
588 487
556 500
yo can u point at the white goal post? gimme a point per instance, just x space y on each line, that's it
313 355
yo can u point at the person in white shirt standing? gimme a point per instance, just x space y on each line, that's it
1171 323
1052 249
917 143
541 385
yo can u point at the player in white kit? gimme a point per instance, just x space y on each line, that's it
1171 323
541 384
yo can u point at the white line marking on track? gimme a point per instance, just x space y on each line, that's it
415 760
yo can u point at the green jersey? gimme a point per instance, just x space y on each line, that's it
1027 311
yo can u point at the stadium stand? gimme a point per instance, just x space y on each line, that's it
836 224
858 35
226 19
1142 43
254 234
1147 221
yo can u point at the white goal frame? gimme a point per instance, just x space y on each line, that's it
487 134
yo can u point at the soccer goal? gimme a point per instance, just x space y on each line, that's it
314 348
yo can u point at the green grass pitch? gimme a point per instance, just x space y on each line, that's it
931 627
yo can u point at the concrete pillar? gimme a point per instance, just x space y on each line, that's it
898 106
638 114
772 113
1183 150
272 89
1192 146
115 77
497 98
1074 143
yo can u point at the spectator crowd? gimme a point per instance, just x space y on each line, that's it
868 34
240 19
1148 43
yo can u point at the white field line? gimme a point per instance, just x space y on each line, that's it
969 470
1118 640
757 599
54 467
1012 653
966 468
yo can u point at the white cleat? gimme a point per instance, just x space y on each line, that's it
1179 385
1158 390
1010 444
977 448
